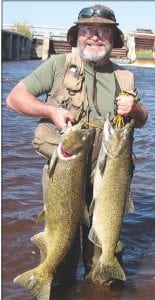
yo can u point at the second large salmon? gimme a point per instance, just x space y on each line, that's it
111 190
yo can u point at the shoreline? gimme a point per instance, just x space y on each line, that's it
150 63
143 64
147 63
136 64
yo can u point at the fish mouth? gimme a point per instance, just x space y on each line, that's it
65 153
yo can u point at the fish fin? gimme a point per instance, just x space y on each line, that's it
93 237
119 247
41 217
31 281
39 240
129 206
91 207
104 272
53 163
85 219
102 164
102 160
45 180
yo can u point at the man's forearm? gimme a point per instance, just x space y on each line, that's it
22 101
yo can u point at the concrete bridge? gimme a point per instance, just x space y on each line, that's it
15 46
52 40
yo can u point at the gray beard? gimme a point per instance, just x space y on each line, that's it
89 57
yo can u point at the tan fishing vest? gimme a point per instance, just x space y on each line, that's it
70 93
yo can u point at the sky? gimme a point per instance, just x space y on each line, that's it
129 14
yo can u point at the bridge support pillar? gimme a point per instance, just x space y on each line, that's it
153 50
131 46
21 47
15 46
45 48
7 46
9 43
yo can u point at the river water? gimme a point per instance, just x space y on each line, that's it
22 201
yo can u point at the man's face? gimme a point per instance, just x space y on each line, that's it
95 42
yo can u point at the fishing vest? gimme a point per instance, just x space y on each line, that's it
70 93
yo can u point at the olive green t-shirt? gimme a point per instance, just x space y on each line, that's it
105 88
46 76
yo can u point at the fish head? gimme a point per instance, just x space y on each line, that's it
77 139
116 139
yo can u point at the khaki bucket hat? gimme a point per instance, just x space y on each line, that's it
97 14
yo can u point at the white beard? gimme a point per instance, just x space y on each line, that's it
95 57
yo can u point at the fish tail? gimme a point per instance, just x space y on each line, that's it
103 272
32 281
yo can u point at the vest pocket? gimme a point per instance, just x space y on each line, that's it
46 138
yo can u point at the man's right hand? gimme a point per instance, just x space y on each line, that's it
60 117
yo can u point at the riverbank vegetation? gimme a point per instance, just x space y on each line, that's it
144 53
23 28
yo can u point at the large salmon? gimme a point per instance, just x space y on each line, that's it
111 190
64 208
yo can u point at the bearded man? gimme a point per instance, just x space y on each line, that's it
82 85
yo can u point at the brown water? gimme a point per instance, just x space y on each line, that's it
22 201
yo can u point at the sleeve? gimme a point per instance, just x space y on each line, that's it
137 97
41 80
132 81
134 87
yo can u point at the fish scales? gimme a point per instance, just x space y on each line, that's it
111 191
63 208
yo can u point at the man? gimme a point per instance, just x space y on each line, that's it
83 85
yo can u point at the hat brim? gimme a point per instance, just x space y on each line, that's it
72 35
95 19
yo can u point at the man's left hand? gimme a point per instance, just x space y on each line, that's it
125 105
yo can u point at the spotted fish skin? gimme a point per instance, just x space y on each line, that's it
111 189
64 203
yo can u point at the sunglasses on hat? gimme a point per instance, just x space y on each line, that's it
103 13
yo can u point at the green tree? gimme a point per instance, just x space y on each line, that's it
23 28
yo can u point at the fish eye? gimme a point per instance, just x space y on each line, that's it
59 130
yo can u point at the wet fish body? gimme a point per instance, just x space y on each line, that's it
111 191
64 208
